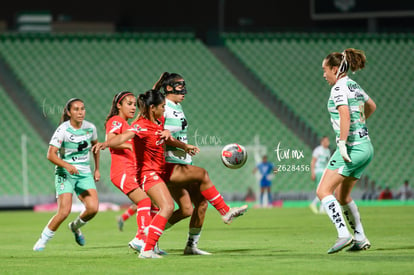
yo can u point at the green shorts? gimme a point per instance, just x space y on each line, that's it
67 183
361 155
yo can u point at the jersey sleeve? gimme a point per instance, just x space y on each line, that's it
58 136
366 97
114 125
339 96
315 153
94 133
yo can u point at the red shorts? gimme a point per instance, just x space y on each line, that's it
125 182
150 179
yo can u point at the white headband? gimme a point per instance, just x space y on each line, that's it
343 66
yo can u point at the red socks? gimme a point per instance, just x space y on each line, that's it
128 213
143 217
216 200
155 231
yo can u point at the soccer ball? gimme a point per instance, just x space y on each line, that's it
234 155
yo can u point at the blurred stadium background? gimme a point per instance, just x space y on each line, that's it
253 71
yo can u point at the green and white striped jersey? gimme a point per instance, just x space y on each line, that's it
74 144
348 92
176 123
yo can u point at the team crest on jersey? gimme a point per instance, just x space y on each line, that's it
139 129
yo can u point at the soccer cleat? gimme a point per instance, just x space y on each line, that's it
359 245
120 222
39 246
149 254
340 244
158 250
136 244
193 250
234 212
80 240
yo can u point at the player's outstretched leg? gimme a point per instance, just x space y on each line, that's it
233 213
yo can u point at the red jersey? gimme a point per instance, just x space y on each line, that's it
122 160
149 147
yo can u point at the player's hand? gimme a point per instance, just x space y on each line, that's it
71 169
165 134
192 150
99 146
97 176
343 150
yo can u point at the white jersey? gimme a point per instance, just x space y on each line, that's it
348 92
322 156
74 144
176 123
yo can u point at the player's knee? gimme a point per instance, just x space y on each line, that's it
205 176
167 209
64 212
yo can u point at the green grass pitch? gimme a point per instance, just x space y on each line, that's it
263 241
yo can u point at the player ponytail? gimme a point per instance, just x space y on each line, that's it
350 58
66 110
118 98
148 99
169 79
160 83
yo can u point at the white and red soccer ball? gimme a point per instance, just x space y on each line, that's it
234 155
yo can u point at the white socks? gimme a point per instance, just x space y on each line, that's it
334 211
78 223
193 237
354 219
46 235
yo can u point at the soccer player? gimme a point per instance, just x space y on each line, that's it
266 170
149 137
349 107
123 164
69 151
320 157
174 88
200 189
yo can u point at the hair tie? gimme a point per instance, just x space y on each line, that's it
343 66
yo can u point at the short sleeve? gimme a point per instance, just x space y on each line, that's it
366 97
94 133
339 96
58 136
315 152
114 126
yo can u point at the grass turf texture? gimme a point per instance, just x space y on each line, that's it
264 241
